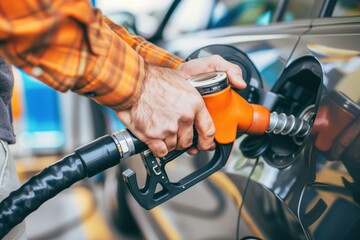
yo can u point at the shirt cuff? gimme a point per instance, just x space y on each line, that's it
115 79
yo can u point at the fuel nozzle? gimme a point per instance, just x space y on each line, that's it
231 113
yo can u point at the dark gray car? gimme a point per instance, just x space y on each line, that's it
307 188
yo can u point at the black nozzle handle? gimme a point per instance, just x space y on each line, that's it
149 198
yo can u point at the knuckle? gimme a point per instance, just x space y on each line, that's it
237 69
154 133
216 57
205 146
210 132
171 142
186 142
171 130
234 67
158 150
160 153
187 118
172 147
198 101
202 147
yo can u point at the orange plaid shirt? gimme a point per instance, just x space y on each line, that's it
67 44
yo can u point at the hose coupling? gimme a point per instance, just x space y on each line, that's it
127 144
124 143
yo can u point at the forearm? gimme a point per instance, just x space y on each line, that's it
67 45
152 54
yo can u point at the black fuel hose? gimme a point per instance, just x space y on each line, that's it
86 161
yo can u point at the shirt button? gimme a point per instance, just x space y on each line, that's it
90 94
36 71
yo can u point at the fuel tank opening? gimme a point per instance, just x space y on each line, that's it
298 91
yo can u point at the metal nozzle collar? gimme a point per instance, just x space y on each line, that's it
124 143
208 83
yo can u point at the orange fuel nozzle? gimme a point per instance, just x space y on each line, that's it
229 111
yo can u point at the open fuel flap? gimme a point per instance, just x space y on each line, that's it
295 93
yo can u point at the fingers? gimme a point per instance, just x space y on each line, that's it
233 71
214 63
185 133
182 140
166 111
158 148
164 143
193 151
205 129
171 142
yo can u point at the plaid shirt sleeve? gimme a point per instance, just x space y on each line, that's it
68 45
151 54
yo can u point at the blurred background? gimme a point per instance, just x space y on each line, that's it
49 124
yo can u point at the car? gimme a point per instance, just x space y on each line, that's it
169 19
306 65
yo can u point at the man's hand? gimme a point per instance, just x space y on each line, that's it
212 64
166 111
169 107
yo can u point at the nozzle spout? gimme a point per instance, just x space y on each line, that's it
288 125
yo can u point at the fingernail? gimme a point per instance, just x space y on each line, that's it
238 82
242 82
192 151
212 147
162 154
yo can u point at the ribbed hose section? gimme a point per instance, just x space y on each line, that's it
40 188
287 125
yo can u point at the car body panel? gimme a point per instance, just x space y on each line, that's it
317 194
335 44
184 46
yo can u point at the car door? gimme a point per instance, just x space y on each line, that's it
275 200
321 185
214 213
333 194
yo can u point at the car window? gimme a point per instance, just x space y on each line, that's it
344 8
302 9
191 16
235 12
140 16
